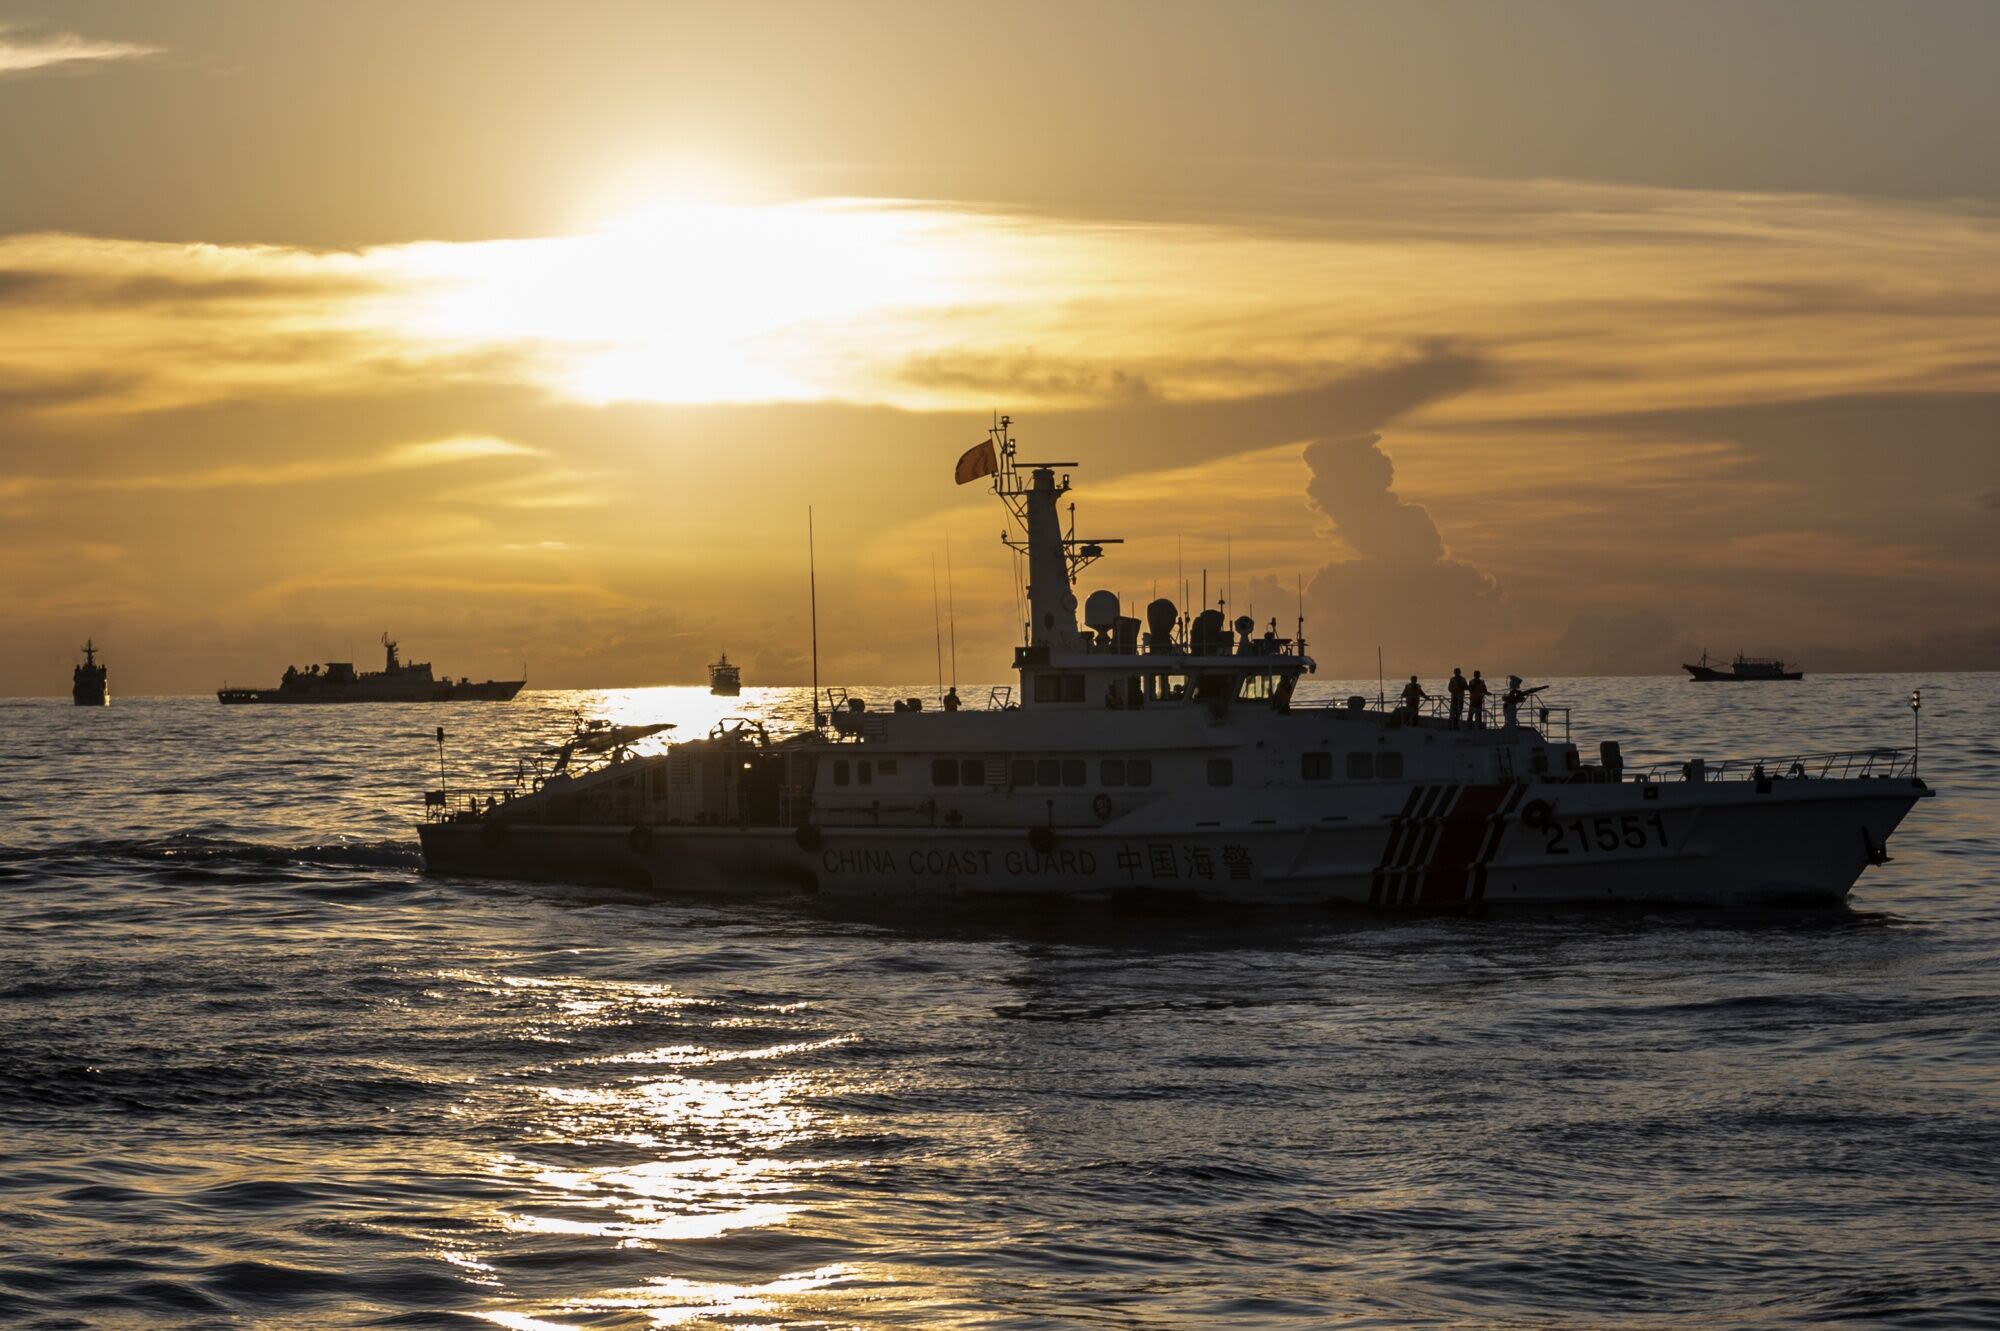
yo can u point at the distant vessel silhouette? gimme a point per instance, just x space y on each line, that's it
1742 668
397 681
89 686
725 678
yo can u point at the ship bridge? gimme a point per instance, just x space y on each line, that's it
1113 659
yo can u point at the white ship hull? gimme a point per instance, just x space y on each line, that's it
1432 847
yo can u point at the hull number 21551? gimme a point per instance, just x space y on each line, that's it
1605 832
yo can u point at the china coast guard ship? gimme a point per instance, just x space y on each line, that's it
1178 761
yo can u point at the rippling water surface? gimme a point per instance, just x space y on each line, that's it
257 1069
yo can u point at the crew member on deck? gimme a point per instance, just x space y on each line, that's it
1476 694
951 699
1457 690
1510 702
1413 698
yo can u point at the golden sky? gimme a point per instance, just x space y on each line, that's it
1547 338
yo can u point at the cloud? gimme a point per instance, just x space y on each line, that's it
22 53
1401 591
293 471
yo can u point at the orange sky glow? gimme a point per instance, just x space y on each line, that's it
296 346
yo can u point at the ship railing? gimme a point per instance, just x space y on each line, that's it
1846 764
1548 719
466 803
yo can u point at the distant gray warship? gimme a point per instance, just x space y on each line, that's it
88 684
398 681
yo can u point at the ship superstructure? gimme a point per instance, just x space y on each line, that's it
397 681
1173 755
725 678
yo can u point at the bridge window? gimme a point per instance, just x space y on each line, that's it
1360 766
972 772
840 772
1063 687
944 771
1048 772
864 772
1024 771
1388 765
1075 771
1221 772
1316 766
1139 772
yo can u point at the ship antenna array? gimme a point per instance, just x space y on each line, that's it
1078 554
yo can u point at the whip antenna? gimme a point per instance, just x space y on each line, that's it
812 593
937 628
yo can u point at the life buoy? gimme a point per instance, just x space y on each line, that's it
808 837
640 839
1042 839
1101 806
1537 814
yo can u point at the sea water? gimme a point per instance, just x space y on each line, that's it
257 1069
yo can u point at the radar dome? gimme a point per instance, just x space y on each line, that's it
1160 619
1100 611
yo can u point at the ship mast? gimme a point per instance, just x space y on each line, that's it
1055 556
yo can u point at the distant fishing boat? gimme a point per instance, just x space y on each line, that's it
89 686
725 678
1742 668
397 681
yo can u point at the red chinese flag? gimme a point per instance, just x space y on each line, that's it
977 461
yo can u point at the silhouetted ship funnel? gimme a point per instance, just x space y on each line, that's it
397 681
90 685
1187 768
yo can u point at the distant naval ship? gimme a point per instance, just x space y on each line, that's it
397 681
89 686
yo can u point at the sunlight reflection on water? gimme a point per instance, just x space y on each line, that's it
255 1068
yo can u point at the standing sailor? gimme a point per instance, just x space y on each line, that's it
1457 690
1413 698
1476 693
